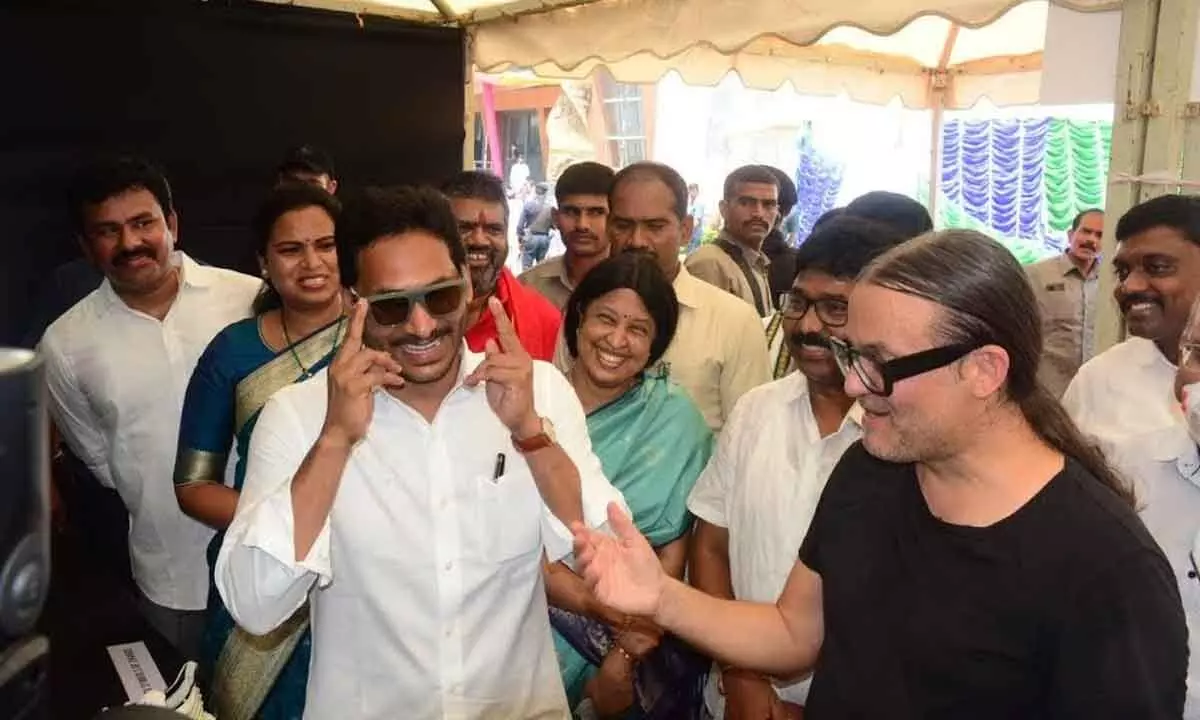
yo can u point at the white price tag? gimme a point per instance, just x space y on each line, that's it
139 675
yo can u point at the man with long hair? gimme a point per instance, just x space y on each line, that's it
973 556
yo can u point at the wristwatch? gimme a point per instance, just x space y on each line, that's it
533 443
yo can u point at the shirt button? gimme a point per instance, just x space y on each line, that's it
449 566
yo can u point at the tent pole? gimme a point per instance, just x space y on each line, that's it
1135 67
1167 121
935 155
468 155
939 80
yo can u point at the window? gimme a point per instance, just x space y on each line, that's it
623 115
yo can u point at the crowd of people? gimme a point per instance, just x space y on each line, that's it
634 482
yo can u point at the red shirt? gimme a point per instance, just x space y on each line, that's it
534 318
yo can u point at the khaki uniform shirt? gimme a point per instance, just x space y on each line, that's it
714 266
549 279
1067 301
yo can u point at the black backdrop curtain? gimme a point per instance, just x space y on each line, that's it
214 92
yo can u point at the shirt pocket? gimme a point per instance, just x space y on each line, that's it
510 515
1060 306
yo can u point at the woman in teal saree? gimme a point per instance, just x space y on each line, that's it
653 443
297 325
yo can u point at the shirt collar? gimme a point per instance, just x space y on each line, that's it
754 257
507 289
562 272
796 390
1067 266
1172 445
192 275
1149 355
687 288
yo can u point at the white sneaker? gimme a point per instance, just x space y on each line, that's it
179 690
182 696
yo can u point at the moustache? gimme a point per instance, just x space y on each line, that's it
758 224
441 331
810 339
1130 300
128 256
646 252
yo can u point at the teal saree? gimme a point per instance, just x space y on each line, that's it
653 444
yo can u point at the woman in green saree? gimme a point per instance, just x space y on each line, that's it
297 325
653 443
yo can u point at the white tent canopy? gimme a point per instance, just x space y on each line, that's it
871 50
1001 60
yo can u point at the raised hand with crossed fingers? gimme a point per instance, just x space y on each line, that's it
507 370
354 374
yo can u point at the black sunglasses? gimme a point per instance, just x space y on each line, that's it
393 308
880 378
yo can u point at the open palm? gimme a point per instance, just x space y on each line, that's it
623 571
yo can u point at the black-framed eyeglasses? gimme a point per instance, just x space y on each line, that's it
393 308
880 378
830 311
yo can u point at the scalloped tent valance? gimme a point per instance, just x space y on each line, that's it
873 50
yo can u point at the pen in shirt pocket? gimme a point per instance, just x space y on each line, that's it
499 469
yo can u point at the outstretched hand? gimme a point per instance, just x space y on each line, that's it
623 571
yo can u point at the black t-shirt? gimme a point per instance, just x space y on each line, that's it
1065 609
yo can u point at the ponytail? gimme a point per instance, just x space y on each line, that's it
1051 422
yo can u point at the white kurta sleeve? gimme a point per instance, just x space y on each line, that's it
556 399
257 574
73 414
709 498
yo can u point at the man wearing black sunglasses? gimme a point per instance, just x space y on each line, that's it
974 557
411 491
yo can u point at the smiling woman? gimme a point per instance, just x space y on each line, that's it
652 443
297 325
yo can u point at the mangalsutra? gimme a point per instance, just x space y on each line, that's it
305 372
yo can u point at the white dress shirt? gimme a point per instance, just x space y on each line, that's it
719 351
1164 468
426 580
1124 391
117 379
763 484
